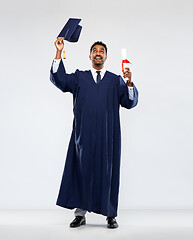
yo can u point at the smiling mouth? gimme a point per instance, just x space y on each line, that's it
98 58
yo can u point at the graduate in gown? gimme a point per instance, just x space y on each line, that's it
90 180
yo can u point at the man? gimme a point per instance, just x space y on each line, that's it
90 180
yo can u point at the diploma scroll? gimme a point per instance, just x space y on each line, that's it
125 62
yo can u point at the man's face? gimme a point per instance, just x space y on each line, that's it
98 55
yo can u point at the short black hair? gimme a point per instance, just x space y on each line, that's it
99 43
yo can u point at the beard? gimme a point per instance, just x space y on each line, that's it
97 63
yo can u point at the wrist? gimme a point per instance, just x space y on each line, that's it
58 54
129 83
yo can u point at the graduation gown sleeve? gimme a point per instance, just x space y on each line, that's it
125 101
65 82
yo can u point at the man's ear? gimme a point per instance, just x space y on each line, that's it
90 57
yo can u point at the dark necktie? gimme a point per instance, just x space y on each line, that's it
98 76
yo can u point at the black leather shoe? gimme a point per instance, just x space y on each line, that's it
78 221
111 222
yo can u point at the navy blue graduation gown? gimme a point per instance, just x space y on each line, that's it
91 174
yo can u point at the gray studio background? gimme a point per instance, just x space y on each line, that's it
36 117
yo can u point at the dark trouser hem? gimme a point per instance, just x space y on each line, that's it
94 211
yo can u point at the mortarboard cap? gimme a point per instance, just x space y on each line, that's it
71 31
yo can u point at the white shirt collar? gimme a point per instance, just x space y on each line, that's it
93 70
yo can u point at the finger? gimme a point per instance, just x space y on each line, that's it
60 38
127 75
60 42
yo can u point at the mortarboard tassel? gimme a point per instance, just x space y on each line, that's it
64 55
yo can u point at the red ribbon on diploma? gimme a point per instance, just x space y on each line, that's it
124 61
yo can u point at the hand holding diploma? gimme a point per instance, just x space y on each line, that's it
128 74
126 68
